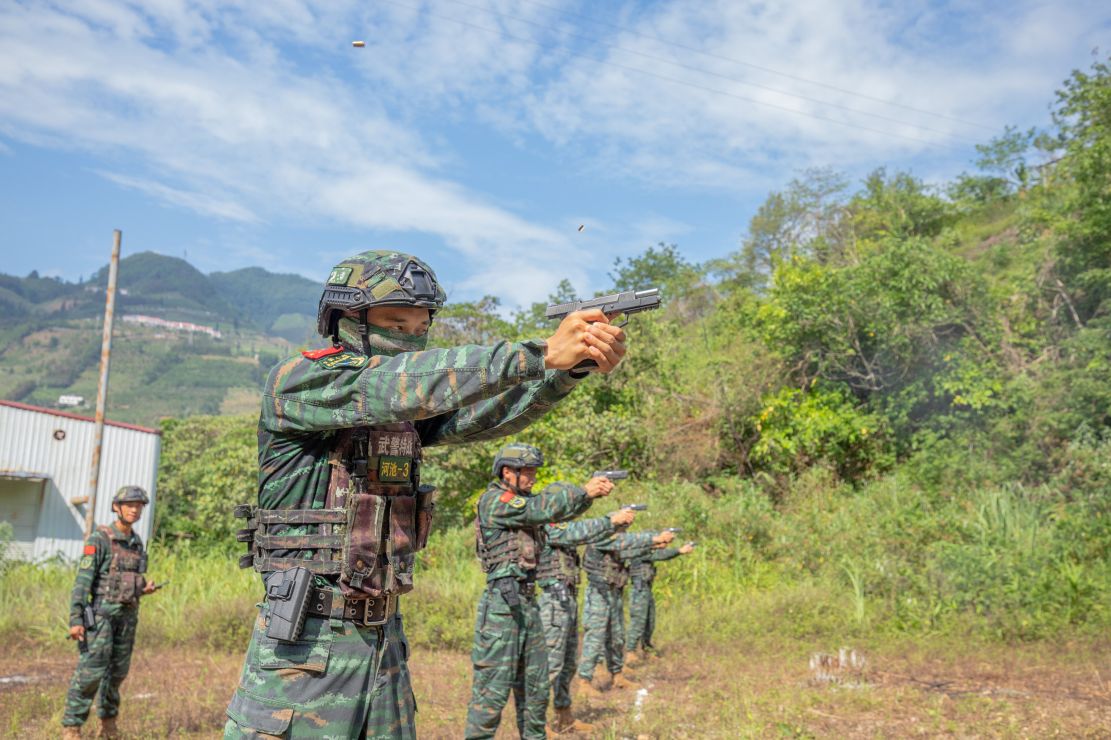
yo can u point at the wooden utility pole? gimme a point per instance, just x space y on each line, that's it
102 384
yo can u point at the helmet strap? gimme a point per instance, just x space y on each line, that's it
364 333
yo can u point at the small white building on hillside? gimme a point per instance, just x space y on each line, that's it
44 467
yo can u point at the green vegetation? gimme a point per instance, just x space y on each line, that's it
889 412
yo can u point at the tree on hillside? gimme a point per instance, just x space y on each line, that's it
1083 217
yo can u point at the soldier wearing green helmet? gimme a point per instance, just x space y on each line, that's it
510 653
341 510
104 614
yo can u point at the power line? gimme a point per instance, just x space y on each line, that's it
761 68
678 81
728 78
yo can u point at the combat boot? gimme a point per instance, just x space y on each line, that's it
586 688
71 732
632 658
620 682
108 729
567 723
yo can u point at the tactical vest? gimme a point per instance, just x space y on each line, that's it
559 564
642 571
521 546
375 518
124 581
605 569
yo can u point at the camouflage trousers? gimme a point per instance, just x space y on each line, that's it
104 667
508 654
338 680
603 630
642 616
560 617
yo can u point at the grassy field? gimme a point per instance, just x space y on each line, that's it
731 667
699 688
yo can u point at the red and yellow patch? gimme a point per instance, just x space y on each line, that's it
506 497
90 550
316 354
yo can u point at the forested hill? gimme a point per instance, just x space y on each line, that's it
242 322
170 288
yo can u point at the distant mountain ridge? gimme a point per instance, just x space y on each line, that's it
170 288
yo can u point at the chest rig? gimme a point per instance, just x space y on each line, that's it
560 564
521 546
375 518
642 571
605 568
124 581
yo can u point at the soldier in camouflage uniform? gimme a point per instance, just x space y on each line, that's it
642 604
340 438
558 577
604 611
509 650
109 583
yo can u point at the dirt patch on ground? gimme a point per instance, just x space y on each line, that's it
725 692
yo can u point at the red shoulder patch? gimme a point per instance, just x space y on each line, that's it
316 354
90 549
506 497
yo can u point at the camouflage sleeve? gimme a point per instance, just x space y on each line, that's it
93 555
665 554
506 510
629 545
347 389
580 531
500 416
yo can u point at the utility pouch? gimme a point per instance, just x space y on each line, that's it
360 570
125 587
288 592
403 513
143 563
510 591
88 618
426 502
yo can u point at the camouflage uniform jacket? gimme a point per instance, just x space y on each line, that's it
499 508
96 560
643 568
566 536
457 395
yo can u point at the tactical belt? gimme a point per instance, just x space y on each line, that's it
325 603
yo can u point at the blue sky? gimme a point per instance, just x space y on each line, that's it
481 133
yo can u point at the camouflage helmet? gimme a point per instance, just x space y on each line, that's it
130 494
517 455
377 278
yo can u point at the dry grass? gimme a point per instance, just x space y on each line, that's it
906 690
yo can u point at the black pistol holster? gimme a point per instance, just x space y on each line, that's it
288 592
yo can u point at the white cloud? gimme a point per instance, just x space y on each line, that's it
239 130
993 65
262 113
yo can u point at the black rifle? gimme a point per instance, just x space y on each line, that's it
628 303
611 474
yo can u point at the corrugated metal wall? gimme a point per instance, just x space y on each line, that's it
29 444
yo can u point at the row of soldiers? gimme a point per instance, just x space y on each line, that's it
341 512
528 643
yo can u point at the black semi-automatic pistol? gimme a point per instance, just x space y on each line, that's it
628 303
636 507
611 474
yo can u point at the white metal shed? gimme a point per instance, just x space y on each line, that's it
44 464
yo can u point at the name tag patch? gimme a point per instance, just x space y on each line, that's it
394 469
